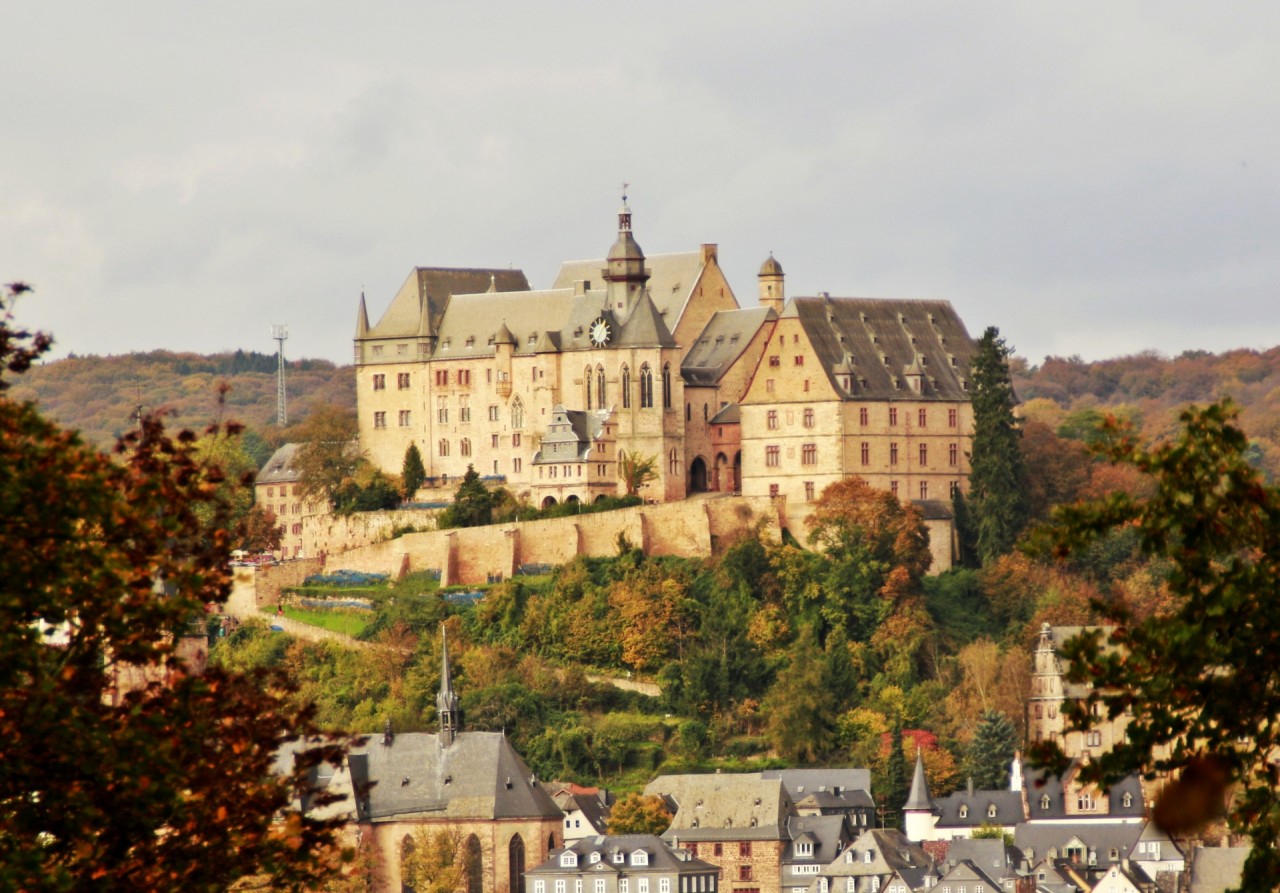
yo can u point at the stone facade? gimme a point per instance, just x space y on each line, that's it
1050 691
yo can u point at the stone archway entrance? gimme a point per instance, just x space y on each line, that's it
720 481
698 475
548 502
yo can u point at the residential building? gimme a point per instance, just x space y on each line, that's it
958 814
964 875
876 861
586 810
1051 690
815 840
735 821
278 488
828 792
631 863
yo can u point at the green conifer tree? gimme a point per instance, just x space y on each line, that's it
998 505
990 753
896 782
413 471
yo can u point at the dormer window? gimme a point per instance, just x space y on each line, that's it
619 858
1044 802
991 811
964 812
471 341
868 856
1127 800
568 860
639 857
593 858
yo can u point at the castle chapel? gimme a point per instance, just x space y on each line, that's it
547 390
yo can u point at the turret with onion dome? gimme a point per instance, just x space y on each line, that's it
625 273
772 292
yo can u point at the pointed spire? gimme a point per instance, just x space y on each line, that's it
447 701
362 318
919 796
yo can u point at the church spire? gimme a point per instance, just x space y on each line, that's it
362 319
447 702
917 813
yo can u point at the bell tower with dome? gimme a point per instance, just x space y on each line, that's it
772 291
625 273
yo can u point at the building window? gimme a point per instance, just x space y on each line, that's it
626 387
442 409
808 416
809 454
464 377
863 416
771 419
379 382
561 886
1095 739
516 465
922 417
893 454
772 456
808 491
744 872
493 413
924 489
865 450
642 884
799 359
775 361
1044 801
515 439
744 848
1085 801
517 414
953 454
774 492
893 487
1127 800
717 849
768 385
664 885
600 401
442 448
464 409
493 441
924 454
586 386
442 376
953 417
666 386
646 387
673 464
404 418
893 415
402 381
464 447
379 420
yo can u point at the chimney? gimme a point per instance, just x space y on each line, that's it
970 785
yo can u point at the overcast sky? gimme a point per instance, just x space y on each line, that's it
1093 178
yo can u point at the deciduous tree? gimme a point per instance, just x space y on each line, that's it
329 456
166 783
638 814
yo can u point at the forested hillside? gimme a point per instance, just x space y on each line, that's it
99 395
1148 390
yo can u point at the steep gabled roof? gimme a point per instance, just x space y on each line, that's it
918 797
430 289
645 327
280 467
726 335
671 280
738 806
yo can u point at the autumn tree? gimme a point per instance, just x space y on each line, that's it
413 473
329 456
997 500
876 551
653 604
638 814
1199 679
167 782
434 860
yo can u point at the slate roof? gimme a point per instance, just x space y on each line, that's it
879 339
1217 869
993 856
478 776
827 833
279 468
435 286
571 435
890 851
729 415
933 509
1039 783
1008 808
672 278
738 806
721 343
918 797
1035 839
661 856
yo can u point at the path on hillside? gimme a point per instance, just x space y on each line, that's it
243 603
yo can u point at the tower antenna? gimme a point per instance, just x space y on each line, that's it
280 333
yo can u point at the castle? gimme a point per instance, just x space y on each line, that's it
548 391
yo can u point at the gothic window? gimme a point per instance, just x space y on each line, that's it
1044 801
475 866
464 446
517 414
586 385
515 865
865 451
600 401
808 417
1127 800
626 387
443 448
666 386
646 387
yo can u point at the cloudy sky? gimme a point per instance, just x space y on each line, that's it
1093 178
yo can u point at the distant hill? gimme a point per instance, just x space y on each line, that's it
99 395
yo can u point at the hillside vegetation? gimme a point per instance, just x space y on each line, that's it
99 395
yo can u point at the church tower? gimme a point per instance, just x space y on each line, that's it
772 285
624 275
447 702
1044 707
917 813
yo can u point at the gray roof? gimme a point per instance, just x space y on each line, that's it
737 806
430 289
879 339
827 833
966 870
1035 839
918 797
721 343
672 278
661 856
801 782
992 856
890 851
571 435
478 776
933 509
279 468
1039 783
1217 869
645 327
1008 808
729 415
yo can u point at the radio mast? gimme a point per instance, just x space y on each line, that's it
280 333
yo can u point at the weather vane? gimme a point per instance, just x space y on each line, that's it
624 192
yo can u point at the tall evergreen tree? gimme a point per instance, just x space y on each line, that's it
990 753
896 782
998 504
413 471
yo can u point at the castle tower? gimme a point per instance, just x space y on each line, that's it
625 274
772 289
1044 707
447 702
917 813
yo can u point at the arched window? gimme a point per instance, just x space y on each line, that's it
475 866
600 401
515 865
517 414
626 387
646 387
406 855
464 446
586 386
443 448
673 463
666 386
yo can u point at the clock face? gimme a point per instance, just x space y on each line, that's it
599 332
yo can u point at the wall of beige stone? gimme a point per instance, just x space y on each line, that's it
330 534
270 580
